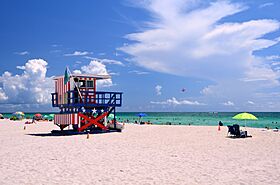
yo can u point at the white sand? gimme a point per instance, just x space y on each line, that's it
141 154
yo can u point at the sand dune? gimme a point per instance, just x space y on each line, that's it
141 154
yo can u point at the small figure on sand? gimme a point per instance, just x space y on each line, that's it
219 125
33 119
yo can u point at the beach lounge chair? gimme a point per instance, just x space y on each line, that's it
235 131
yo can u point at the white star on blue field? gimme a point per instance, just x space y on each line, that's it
165 55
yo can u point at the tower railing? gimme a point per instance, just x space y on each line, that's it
88 99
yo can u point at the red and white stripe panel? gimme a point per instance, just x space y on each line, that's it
61 89
66 119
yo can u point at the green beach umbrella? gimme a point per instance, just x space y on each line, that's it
51 116
111 116
244 116
19 115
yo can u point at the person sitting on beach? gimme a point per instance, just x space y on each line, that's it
28 122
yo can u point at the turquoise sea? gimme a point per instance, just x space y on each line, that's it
265 119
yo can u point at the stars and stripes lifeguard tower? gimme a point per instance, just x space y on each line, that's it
81 105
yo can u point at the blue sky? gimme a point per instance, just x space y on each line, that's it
224 53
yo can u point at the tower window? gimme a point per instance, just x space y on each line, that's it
89 83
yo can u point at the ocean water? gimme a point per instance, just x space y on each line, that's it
265 119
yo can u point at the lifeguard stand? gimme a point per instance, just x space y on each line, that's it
81 105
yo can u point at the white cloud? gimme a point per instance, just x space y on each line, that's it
268 95
193 41
206 49
20 67
262 74
22 53
30 87
77 71
78 53
273 57
55 51
139 72
158 89
266 5
97 68
110 61
90 58
3 96
251 103
228 103
206 90
56 45
77 64
117 54
114 74
275 63
106 61
174 101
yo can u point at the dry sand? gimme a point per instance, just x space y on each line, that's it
141 154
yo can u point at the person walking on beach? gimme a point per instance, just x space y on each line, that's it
33 119
219 125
